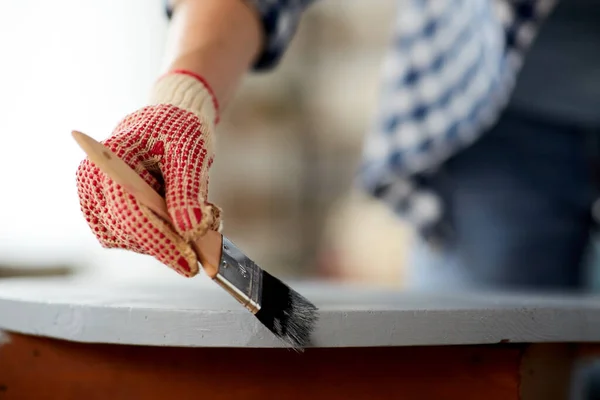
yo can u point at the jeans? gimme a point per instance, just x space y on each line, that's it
519 208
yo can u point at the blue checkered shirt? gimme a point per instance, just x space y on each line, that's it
449 72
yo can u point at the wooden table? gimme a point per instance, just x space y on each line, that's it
71 339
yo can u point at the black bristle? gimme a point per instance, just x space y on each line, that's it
285 312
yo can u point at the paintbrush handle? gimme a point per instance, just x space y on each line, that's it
207 248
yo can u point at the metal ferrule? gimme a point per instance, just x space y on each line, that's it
239 276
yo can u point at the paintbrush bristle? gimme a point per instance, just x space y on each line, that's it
285 312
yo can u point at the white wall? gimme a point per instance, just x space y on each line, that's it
66 64
84 64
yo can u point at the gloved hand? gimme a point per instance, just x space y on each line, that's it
169 143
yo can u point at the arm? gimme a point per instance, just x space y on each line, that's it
216 39
170 142
221 40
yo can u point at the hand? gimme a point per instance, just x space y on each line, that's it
169 143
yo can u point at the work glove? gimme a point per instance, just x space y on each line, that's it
170 145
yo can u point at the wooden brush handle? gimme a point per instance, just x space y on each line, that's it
207 248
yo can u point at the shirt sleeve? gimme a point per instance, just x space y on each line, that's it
279 20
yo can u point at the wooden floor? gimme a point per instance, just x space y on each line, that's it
38 368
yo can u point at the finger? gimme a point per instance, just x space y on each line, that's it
91 199
216 218
152 235
185 169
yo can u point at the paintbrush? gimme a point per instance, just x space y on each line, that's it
285 312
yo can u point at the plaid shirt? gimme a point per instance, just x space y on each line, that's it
449 72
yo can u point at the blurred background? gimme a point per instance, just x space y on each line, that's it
287 152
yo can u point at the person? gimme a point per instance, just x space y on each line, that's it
521 199
480 139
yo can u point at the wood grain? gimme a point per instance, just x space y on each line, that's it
589 350
546 371
37 368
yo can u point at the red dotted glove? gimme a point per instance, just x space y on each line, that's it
169 143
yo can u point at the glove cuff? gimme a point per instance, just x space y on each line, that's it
188 91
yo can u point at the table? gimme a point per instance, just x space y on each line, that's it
70 339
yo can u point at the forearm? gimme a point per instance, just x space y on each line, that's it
216 39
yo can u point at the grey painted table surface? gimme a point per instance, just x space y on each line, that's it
195 312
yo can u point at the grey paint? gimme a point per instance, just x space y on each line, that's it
194 312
